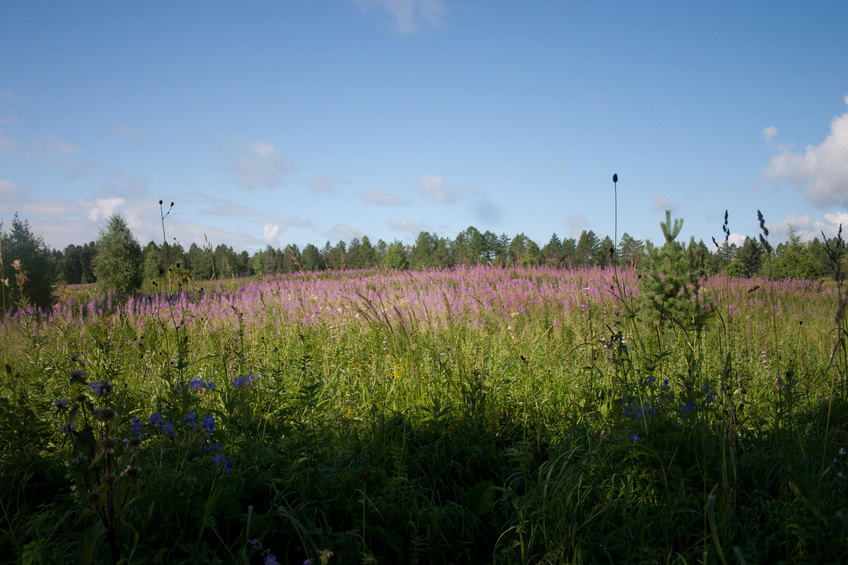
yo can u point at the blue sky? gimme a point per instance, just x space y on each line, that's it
306 121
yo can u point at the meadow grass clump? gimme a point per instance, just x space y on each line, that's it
474 415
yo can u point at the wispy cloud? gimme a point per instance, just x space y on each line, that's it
264 166
51 145
661 204
560 164
222 207
347 232
82 170
380 198
322 184
437 189
821 172
7 143
407 16
10 192
407 226
130 133
769 133
576 224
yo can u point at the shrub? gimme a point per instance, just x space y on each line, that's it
26 268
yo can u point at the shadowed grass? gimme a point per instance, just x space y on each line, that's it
519 424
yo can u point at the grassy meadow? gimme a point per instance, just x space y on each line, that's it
468 415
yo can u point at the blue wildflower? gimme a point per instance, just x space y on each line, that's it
223 462
155 419
190 420
216 447
688 407
136 426
208 424
665 386
634 436
242 382
705 388
168 428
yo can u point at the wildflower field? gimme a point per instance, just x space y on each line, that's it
469 415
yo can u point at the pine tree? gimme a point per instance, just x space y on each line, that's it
670 289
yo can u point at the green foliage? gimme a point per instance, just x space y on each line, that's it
588 249
794 261
748 259
670 287
77 264
395 257
118 263
26 268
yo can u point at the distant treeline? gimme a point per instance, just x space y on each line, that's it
793 259
39 269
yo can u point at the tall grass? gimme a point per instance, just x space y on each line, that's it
475 415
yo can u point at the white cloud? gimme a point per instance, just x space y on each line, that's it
62 222
407 226
437 188
808 227
736 239
821 171
769 132
406 16
380 198
271 233
104 208
264 167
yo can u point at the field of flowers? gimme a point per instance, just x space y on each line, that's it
471 415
